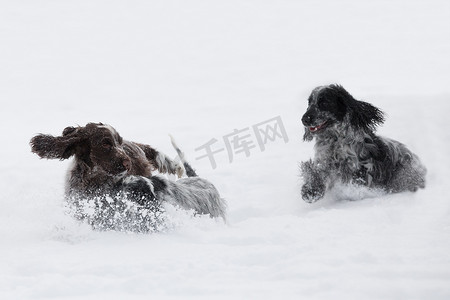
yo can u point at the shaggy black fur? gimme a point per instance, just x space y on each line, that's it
347 149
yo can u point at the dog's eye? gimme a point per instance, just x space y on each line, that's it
323 104
107 144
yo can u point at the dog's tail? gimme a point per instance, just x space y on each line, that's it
189 170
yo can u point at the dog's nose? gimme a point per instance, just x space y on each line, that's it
306 119
127 164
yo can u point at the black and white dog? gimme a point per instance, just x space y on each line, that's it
347 150
137 203
191 192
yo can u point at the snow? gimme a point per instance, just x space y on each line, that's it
199 70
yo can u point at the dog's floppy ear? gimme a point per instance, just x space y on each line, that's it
365 116
307 137
362 114
61 147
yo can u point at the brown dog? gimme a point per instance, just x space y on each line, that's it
101 156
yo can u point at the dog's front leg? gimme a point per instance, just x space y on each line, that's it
314 185
138 189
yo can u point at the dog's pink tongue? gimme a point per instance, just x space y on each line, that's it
317 127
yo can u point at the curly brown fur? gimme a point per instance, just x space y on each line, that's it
101 156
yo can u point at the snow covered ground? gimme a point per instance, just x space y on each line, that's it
199 70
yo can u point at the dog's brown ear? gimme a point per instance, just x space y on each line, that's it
61 147
69 130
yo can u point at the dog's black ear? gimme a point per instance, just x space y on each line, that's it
61 147
365 116
307 137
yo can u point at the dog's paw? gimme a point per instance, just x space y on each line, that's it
175 168
138 189
314 187
166 165
312 193
179 170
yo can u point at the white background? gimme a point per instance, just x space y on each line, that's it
199 70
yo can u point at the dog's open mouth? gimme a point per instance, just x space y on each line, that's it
319 127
